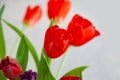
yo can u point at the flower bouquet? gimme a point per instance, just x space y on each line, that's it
79 31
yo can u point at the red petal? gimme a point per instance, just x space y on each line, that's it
88 34
70 78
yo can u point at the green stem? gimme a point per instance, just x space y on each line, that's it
81 76
61 66
51 23
49 60
15 42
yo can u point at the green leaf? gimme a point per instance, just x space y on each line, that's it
2 41
22 54
44 72
27 41
2 10
2 77
76 71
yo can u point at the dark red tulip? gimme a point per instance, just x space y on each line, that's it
70 78
58 9
56 41
10 68
32 15
82 30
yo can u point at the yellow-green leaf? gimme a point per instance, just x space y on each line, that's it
76 72
2 77
2 41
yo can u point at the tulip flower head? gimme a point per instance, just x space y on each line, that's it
10 68
81 30
70 78
29 75
58 9
32 15
56 41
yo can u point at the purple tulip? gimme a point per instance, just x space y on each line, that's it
29 75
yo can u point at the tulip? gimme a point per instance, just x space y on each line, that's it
82 30
11 68
29 75
56 41
32 15
58 9
70 78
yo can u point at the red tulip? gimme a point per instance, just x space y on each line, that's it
82 30
10 68
56 41
32 15
58 9
70 78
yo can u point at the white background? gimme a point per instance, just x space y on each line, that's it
101 54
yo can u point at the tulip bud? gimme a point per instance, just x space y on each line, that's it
32 15
10 68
